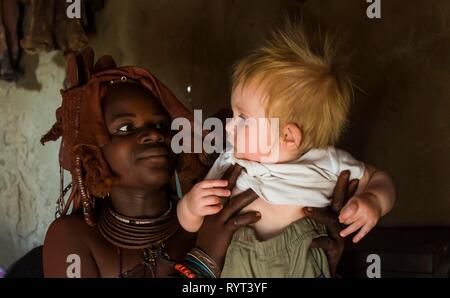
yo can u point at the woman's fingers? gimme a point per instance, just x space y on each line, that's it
351 228
325 217
339 196
241 220
237 203
232 174
352 187
323 242
334 244
333 249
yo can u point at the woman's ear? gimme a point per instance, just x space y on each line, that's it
291 137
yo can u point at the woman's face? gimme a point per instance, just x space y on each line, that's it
139 126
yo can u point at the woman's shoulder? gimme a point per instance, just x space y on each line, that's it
72 231
67 232
68 240
73 224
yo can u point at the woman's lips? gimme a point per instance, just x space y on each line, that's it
156 153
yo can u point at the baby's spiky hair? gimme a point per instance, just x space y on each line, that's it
303 82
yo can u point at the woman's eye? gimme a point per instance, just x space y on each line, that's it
160 125
125 128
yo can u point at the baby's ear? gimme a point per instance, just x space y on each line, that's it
291 136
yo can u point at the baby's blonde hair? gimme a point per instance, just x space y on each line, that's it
303 84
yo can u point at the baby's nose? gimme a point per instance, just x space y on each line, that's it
230 126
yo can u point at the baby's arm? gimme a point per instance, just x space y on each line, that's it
374 198
203 199
380 185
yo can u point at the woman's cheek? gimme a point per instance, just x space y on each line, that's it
117 156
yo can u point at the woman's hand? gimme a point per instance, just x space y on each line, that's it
217 230
333 244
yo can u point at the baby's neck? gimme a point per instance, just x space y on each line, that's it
283 157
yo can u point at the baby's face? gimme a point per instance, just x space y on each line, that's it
139 126
252 134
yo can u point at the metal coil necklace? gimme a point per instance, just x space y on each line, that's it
146 234
136 233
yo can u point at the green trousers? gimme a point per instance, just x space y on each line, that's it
285 255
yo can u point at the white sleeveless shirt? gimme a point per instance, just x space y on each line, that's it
307 181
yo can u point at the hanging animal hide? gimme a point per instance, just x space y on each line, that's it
9 42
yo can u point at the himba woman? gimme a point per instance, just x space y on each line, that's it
114 124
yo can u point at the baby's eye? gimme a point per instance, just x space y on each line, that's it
125 128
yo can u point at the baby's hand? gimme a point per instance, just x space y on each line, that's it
362 213
204 197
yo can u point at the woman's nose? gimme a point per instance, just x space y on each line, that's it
151 135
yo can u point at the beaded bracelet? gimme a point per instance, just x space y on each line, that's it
197 267
184 271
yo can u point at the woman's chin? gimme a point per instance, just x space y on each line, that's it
156 176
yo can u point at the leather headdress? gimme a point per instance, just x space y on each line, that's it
80 123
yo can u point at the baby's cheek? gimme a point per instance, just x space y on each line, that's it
239 141
247 140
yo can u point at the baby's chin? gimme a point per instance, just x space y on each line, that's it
258 157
